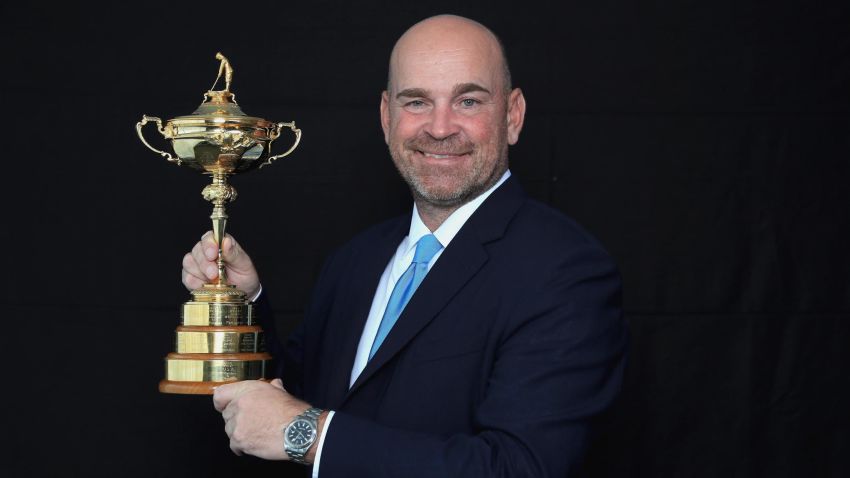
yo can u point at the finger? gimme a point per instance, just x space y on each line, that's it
229 427
209 246
228 413
207 266
224 394
191 282
236 450
191 268
277 383
234 255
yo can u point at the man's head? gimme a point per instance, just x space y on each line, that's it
449 112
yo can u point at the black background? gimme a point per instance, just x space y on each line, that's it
706 144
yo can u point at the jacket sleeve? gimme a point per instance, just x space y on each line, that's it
560 363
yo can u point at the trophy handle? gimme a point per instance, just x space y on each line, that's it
275 133
158 121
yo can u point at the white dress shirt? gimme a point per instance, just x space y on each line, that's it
394 270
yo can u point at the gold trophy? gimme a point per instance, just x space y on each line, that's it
218 340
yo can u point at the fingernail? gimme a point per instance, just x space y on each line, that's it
211 253
212 272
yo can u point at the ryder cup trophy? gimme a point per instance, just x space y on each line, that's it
218 340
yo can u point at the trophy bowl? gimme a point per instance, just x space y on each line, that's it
218 138
218 340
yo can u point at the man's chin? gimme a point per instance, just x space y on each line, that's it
442 197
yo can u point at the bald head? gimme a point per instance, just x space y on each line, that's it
449 34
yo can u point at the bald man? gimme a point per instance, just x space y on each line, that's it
476 336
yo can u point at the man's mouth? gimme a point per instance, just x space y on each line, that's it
443 155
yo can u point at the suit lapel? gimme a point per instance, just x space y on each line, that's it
454 269
365 273
458 264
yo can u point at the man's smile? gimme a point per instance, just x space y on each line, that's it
441 155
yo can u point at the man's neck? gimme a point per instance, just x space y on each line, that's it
434 216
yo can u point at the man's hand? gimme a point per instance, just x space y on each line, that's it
199 266
255 415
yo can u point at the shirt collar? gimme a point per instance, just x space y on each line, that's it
451 226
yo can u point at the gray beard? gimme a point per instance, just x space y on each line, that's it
451 145
454 199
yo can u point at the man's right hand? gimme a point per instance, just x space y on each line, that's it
199 266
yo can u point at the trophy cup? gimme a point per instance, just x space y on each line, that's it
218 340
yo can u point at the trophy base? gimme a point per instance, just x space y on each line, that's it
192 388
216 343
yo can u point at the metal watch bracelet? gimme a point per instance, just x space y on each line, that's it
298 455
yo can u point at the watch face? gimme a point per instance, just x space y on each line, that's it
300 434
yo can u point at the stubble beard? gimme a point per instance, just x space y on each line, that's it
453 190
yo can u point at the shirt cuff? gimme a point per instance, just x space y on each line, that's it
321 442
257 295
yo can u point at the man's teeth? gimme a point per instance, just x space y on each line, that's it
438 156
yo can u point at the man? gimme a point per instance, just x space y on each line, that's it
495 363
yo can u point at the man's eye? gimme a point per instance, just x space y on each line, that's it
415 103
468 102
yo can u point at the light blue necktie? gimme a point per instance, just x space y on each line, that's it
405 287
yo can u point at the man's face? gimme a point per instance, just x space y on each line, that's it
448 119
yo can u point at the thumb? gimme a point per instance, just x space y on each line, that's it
234 255
277 383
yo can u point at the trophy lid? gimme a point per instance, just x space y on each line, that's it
219 103
219 106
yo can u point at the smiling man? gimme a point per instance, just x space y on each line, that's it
477 336
449 113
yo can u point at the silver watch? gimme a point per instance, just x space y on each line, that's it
300 434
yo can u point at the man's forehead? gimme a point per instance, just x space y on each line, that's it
444 67
438 53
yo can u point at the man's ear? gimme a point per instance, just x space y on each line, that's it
385 115
516 115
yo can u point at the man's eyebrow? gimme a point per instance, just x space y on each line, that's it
412 93
463 88
459 89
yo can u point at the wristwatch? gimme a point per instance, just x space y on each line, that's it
300 434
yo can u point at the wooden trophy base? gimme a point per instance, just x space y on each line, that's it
192 388
188 388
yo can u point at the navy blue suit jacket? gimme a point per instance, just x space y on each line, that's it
511 345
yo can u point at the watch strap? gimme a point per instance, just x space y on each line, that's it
297 454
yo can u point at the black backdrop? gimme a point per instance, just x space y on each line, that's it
706 144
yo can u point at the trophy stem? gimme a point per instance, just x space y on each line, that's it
219 193
219 223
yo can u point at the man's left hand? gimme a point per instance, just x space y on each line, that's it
255 414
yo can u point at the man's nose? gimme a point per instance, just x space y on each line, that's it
443 122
